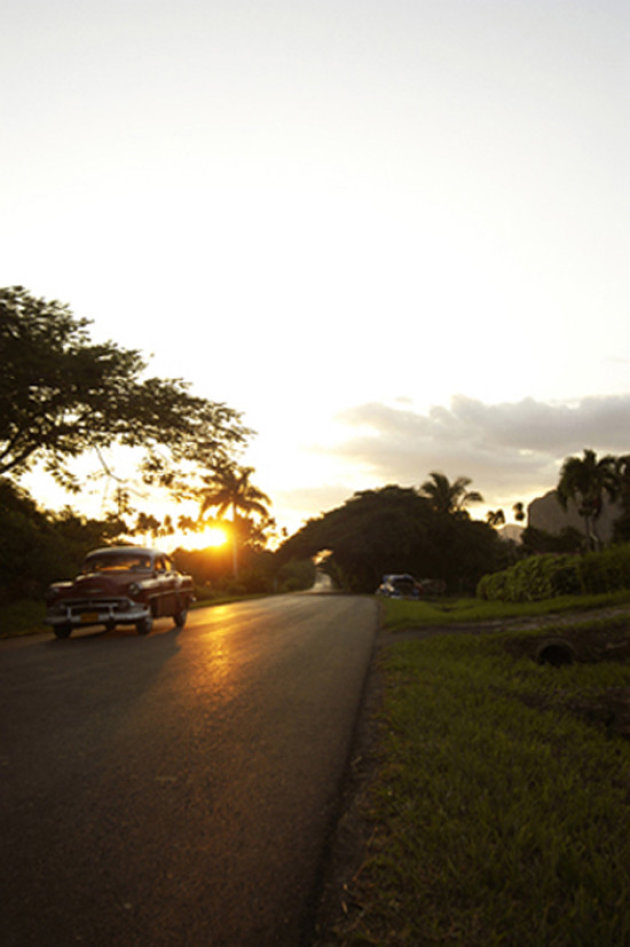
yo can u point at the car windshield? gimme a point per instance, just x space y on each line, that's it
117 562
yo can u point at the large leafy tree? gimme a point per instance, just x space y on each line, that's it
587 480
391 530
62 394
229 487
447 497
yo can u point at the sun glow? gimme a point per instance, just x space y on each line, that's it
213 536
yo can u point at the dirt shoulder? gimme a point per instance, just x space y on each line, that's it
557 620
346 849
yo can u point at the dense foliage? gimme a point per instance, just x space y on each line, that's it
260 572
38 547
550 575
569 539
395 529
61 394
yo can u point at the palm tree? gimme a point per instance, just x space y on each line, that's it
586 480
495 518
622 523
519 511
229 487
447 497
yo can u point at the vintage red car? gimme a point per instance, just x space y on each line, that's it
120 585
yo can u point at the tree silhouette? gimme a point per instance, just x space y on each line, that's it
495 518
229 488
519 512
586 480
62 394
622 523
394 529
447 497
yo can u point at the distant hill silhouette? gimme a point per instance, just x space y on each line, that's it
546 513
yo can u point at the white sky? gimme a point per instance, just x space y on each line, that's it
394 233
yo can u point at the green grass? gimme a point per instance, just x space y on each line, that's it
401 613
499 816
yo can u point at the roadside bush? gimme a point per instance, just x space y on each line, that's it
234 587
493 587
38 546
295 575
204 591
605 571
533 579
255 582
548 576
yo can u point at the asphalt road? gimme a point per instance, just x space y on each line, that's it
177 789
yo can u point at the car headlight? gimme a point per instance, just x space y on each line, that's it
133 589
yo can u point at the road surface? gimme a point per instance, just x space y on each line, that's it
177 789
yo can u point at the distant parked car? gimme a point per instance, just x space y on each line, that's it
120 585
400 586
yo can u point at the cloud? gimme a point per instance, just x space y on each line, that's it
510 449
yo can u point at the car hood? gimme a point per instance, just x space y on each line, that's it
95 583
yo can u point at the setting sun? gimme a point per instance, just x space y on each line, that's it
213 536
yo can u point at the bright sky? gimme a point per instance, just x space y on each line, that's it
393 233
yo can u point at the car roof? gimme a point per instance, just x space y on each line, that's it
137 550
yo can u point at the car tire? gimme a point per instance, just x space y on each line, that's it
144 626
180 617
62 631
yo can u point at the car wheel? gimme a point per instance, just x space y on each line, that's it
62 631
180 617
144 626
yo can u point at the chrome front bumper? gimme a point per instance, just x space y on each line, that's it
101 612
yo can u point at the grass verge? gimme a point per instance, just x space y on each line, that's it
498 816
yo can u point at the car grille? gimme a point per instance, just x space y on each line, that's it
80 606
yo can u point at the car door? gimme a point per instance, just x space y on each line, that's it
167 586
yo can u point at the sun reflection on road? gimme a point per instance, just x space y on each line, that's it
220 670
